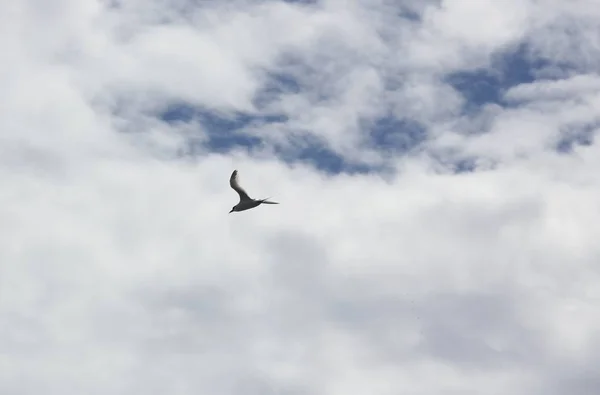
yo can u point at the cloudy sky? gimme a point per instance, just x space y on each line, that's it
438 174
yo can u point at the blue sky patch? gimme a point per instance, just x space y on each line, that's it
508 69
322 158
276 85
572 137
224 133
395 135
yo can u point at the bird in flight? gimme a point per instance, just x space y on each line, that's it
246 202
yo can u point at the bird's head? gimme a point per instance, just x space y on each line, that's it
232 210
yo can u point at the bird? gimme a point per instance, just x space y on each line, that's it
246 202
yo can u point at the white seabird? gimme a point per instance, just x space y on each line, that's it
246 202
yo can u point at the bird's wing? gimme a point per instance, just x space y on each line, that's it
233 181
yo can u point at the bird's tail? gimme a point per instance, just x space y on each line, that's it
265 201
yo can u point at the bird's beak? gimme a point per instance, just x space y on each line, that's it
231 211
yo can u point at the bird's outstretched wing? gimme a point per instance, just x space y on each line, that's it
233 181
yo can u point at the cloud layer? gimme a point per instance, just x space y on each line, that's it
436 165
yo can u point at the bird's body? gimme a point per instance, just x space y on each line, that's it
246 202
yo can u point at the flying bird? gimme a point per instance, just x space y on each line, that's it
246 202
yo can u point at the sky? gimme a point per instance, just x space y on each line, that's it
436 165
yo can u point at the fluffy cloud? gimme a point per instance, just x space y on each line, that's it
452 249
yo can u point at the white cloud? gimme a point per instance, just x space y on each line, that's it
462 35
579 86
122 273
